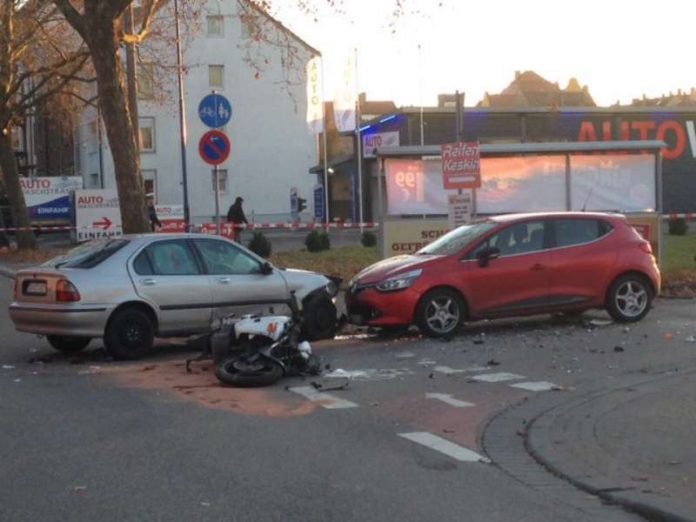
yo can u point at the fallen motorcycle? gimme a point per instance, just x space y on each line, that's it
264 349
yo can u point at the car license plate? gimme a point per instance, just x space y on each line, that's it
35 288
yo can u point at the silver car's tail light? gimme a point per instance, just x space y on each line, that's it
66 292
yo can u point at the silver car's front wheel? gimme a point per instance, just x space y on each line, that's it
440 312
629 298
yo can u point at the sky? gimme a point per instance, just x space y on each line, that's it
620 49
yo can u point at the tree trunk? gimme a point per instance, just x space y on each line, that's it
104 48
8 165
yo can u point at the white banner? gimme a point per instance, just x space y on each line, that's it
621 182
315 112
603 182
97 214
49 197
459 209
379 139
346 98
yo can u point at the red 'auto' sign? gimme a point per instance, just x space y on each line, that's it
461 165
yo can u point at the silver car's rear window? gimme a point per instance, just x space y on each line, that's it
88 255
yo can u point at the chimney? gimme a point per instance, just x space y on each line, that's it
362 98
517 75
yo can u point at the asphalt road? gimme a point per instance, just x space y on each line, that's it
89 439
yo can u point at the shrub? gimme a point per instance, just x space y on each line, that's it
678 227
317 240
368 239
260 245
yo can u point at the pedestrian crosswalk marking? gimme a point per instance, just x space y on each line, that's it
444 446
535 386
326 400
448 399
497 377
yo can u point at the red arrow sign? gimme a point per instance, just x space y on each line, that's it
105 223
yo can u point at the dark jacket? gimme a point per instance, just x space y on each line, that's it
152 215
236 214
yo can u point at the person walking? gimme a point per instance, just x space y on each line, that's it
235 215
152 212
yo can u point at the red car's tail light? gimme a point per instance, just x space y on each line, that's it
645 247
66 292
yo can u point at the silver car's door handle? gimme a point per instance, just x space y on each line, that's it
148 282
224 280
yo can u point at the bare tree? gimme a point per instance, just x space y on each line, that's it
39 56
99 23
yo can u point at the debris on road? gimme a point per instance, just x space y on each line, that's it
690 339
601 322
7 367
668 336
493 362
320 387
405 355
618 348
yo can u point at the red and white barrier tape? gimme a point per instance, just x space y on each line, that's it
211 227
688 216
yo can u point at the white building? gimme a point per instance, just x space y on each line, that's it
235 49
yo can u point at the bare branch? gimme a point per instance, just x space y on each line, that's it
72 15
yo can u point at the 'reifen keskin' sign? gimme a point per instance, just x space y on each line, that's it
461 165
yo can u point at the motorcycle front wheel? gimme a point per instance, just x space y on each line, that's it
248 372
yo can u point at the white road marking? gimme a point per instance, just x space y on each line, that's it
369 374
450 449
535 386
327 400
497 377
453 371
448 399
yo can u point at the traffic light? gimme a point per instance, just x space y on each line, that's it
301 204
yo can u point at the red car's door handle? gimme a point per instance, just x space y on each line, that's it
538 266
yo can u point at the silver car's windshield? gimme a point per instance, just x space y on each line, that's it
87 255
457 239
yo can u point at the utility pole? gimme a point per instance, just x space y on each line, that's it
182 118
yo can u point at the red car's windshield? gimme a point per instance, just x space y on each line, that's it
457 239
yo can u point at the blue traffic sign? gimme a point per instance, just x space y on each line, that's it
214 147
319 203
215 110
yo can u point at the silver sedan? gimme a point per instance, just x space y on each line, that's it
132 289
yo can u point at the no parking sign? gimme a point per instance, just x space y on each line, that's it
214 147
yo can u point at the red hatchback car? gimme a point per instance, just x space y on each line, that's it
511 265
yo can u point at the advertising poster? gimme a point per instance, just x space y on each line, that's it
97 214
48 198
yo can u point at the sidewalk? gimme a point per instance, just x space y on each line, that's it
632 446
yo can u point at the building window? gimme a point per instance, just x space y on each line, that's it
146 129
222 180
216 25
146 81
216 75
94 180
150 182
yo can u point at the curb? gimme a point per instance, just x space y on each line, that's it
536 444
8 272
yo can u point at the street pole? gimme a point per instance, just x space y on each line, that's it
358 138
182 118
327 219
216 180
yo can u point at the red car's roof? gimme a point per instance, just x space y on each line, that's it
505 218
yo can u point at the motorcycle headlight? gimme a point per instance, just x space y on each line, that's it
399 282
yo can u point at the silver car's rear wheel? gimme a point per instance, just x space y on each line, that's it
629 298
129 334
440 312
